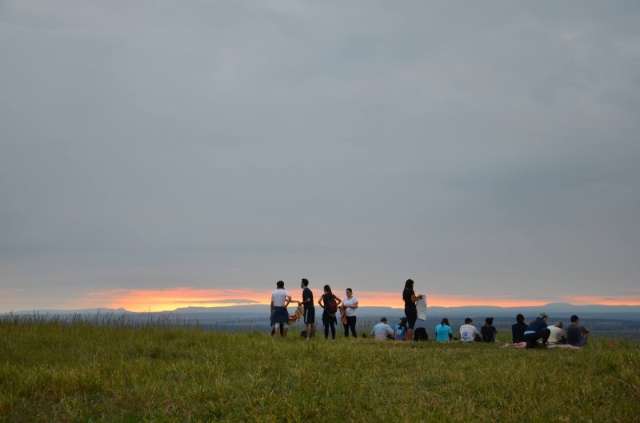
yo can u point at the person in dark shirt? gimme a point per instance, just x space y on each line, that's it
576 333
488 331
410 310
517 329
329 303
309 309
537 330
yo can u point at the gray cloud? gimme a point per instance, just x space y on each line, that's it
478 148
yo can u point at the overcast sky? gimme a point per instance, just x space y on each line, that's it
485 148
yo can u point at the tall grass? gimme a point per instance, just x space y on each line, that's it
80 371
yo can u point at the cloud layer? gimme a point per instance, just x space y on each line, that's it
486 149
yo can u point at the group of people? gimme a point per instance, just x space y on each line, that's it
331 306
411 328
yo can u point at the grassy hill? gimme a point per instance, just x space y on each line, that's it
80 372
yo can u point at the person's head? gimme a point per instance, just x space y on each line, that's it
408 284
383 320
574 319
445 321
349 292
403 321
468 321
543 316
488 321
327 289
280 284
520 318
304 283
559 325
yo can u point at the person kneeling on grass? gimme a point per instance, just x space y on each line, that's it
576 333
382 331
468 332
443 331
537 330
280 299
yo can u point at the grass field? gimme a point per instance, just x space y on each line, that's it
55 373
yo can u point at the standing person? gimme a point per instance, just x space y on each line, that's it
350 305
410 311
382 331
517 329
329 303
576 333
443 331
488 330
309 314
280 299
468 331
537 330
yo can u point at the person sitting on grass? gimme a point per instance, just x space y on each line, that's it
329 303
468 331
382 331
280 299
488 330
401 329
420 330
537 330
443 331
517 329
576 333
557 334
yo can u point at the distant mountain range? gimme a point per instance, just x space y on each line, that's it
261 309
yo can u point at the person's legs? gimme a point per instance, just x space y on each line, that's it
352 325
411 323
346 328
333 328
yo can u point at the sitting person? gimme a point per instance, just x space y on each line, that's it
537 330
488 330
382 331
401 329
517 329
576 333
420 331
468 332
556 334
443 331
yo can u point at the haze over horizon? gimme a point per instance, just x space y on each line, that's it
158 153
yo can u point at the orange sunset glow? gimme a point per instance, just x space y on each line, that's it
141 300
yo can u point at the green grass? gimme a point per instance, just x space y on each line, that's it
54 372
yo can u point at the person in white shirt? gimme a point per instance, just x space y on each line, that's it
468 332
557 335
280 299
349 306
382 331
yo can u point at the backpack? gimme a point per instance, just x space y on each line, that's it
332 305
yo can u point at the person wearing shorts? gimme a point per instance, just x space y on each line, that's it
309 314
280 299
410 310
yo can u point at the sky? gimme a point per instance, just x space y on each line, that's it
158 154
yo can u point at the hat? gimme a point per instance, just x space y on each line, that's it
543 315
